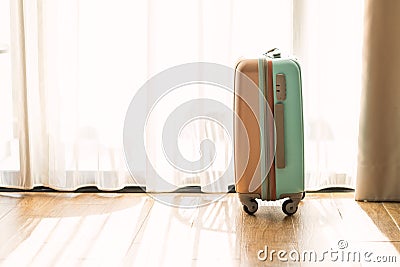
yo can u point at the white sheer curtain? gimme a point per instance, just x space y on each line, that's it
328 42
77 64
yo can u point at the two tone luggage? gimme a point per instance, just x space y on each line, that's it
269 142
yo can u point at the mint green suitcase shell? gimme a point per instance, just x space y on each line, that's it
291 178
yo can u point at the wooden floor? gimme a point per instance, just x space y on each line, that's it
65 229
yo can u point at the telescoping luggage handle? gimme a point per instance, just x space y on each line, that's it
279 112
273 53
280 136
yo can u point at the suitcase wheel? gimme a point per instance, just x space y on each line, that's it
251 209
289 207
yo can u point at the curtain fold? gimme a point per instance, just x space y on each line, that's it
77 64
20 95
379 150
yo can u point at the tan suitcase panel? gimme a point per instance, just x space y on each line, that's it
244 174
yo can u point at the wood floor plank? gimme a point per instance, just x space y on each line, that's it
95 198
5 209
104 236
215 262
319 227
268 227
26 198
19 223
345 195
165 239
381 219
73 231
217 231
9 198
15 228
366 221
195 236
268 224
394 211
36 204
317 224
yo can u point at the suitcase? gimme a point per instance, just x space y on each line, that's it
259 128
